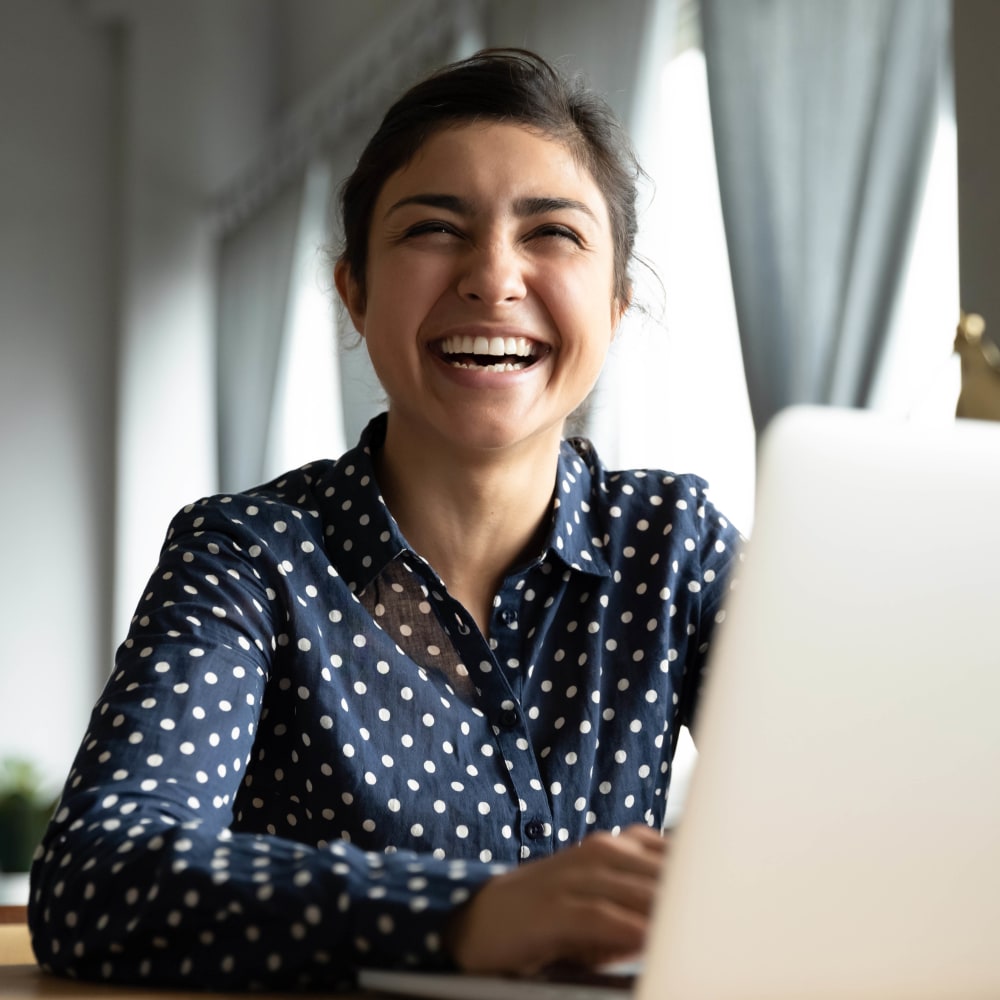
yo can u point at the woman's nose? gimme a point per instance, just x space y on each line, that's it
492 274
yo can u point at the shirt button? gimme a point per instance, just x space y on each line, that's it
508 616
508 718
535 829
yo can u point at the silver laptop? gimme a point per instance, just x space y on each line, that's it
841 835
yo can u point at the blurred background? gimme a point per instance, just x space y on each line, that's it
167 326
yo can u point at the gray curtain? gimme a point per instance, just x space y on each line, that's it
823 113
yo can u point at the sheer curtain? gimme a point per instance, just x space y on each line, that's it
823 115
307 420
255 269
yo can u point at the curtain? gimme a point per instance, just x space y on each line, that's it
360 393
307 420
621 50
823 113
617 415
673 394
255 270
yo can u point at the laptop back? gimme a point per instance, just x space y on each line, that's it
841 837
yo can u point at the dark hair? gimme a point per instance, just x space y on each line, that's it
498 85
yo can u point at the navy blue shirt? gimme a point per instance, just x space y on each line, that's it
308 755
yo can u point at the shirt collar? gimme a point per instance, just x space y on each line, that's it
577 526
363 537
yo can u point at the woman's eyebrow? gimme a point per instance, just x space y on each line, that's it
523 207
450 202
526 207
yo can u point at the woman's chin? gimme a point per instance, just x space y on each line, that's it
490 432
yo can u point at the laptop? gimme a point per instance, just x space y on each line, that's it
841 833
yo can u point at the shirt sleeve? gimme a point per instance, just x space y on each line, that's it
143 875
718 553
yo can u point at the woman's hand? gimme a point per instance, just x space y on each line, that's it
587 905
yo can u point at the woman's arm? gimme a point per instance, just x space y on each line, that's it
143 875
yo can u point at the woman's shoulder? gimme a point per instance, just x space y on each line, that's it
643 503
311 492
287 505
653 486
298 489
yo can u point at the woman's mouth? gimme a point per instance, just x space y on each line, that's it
493 354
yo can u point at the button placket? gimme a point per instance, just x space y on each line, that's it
511 725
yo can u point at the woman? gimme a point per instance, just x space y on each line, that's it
417 706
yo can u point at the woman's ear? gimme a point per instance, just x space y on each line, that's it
351 294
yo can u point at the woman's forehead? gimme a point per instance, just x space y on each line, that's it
497 160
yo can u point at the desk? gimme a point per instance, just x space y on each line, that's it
20 978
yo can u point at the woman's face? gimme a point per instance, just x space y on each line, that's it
489 306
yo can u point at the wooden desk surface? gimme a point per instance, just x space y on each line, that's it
21 978
15 945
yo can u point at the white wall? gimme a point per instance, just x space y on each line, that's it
119 120
57 371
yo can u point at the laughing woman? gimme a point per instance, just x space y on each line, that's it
417 706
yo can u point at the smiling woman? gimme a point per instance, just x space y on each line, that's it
417 706
491 233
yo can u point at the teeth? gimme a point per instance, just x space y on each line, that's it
489 346
503 366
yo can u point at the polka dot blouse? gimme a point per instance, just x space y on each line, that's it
308 755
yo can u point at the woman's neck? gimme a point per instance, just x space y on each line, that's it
472 517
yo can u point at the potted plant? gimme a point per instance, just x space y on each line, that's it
24 813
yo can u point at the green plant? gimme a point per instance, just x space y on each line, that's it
25 809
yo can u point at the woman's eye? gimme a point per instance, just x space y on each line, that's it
562 232
430 227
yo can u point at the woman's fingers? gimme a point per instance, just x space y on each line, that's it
622 869
587 904
636 848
